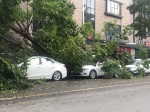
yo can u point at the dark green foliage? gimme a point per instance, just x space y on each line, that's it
124 57
124 74
111 67
141 71
60 33
87 29
141 53
11 77
141 10
145 64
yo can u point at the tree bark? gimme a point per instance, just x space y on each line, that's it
14 44
30 38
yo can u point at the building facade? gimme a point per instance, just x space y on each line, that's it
100 11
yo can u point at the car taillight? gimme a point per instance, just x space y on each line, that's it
64 66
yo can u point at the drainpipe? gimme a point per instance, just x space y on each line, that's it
133 30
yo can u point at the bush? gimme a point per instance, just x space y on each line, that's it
145 64
125 74
141 71
12 77
111 67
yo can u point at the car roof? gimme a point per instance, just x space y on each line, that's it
38 57
137 59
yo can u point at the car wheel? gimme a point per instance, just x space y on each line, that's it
115 76
57 76
93 74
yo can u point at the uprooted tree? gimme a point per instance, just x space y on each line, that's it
106 50
44 27
38 27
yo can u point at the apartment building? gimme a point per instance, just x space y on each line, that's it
100 11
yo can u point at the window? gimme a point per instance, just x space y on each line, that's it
113 8
46 61
34 61
148 33
110 32
89 12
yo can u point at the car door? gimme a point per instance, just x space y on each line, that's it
148 70
99 70
34 68
48 68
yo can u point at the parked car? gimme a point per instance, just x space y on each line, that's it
93 71
39 67
135 65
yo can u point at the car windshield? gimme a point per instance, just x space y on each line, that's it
136 62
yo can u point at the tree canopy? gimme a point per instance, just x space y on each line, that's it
141 10
48 27
42 26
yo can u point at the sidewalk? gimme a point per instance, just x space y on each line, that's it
69 85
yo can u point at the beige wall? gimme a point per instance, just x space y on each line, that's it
100 17
78 12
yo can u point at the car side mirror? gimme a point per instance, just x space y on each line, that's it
99 64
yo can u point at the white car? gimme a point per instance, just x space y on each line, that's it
39 67
137 63
93 71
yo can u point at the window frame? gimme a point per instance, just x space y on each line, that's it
42 62
109 13
89 16
29 62
111 37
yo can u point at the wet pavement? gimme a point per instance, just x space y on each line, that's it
83 95
73 84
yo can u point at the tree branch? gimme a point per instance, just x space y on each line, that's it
19 25
14 44
30 38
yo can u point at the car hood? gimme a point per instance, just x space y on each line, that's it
88 66
130 66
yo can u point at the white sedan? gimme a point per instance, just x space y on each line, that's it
39 67
93 71
137 63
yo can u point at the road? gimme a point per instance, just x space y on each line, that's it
133 97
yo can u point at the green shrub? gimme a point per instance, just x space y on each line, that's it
125 74
145 64
111 67
12 77
141 71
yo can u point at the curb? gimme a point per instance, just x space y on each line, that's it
71 91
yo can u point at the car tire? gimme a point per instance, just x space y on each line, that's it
93 74
57 76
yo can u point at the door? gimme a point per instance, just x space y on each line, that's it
98 66
48 68
34 68
148 70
